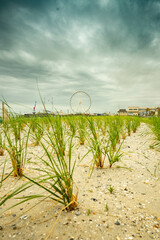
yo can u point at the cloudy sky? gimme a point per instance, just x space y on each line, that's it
107 48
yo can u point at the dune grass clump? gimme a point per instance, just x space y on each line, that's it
81 130
114 155
128 126
33 123
37 130
114 144
124 133
16 144
95 144
155 126
2 145
135 124
102 125
114 131
102 145
60 169
57 131
72 125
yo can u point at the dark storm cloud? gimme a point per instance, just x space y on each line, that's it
109 48
120 23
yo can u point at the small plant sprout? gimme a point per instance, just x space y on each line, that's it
88 212
106 207
151 146
111 189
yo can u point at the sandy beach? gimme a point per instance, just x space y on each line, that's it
131 211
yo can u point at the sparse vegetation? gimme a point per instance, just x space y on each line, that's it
59 139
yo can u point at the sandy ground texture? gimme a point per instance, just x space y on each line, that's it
132 211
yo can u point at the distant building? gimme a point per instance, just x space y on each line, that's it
105 114
141 111
152 111
133 111
157 111
122 112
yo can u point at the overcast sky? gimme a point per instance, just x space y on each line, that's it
107 48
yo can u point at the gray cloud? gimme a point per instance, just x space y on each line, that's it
109 49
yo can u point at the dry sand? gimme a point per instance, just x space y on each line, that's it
133 207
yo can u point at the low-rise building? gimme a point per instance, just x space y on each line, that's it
152 111
157 111
133 111
122 112
141 111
